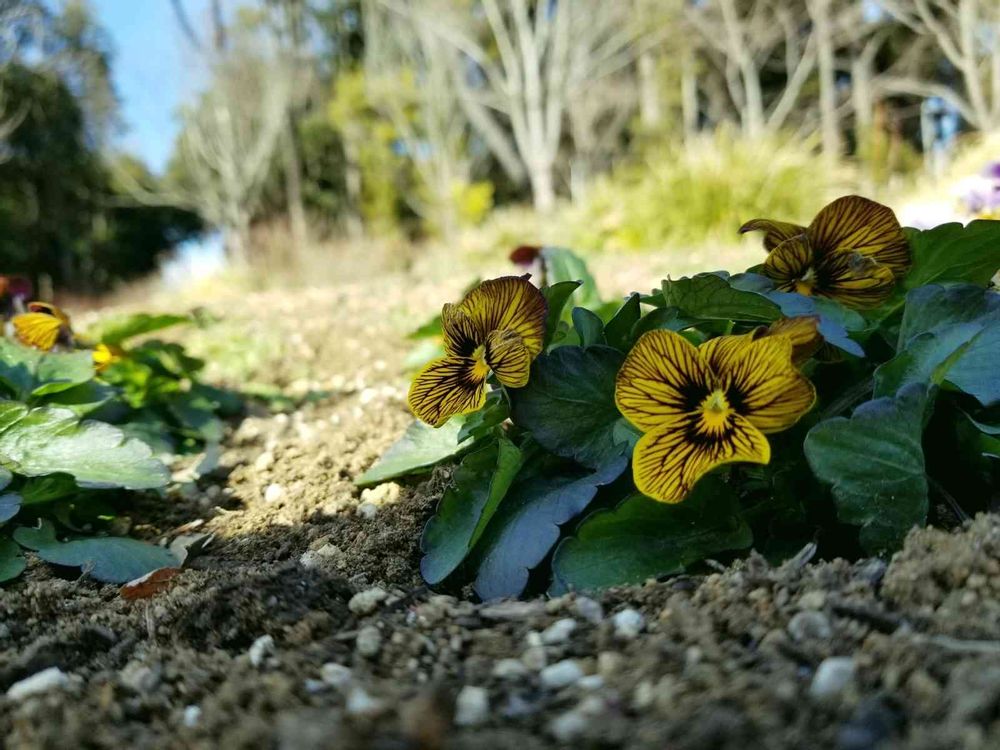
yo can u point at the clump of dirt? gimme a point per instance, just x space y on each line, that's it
304 624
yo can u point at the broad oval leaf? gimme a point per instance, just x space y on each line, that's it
556 296
874 463
419 449
712 297
588 326
527 525
935 306
952 252
12 563
10 506
42 441
568 405
642 539
477 487
107 559
31 374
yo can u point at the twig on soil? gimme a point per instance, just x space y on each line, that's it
991 648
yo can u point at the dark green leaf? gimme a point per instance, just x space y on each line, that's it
10 506
51 487
115 331
662 318
485 421
420 449
5 478
83 399
477 487
561 265
106 559
928 358
589 327
527 525
835 320
934 306
568 405
711 297
951 252
30 373
12 564
556 297
643 538
618 331
874 462
46 440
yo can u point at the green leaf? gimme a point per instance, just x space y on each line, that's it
47 488
37 442
106 559
835 320
662 318
556 297
12 564
935 306
618 331
477 487
10 506
481 423
84 398
874 462
420 449
711 297
527 525
562 264
928 358
117 330
30 373
589 327
5 478
568 405
951 252
642 539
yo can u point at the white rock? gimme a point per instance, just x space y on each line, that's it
383 494
273 493
40 682
561 674
366 602
260 649
628 623
264 461
510 669
139 677
369 641
810 624
534 658
589 609
591 682
192 715
569 726
360 703
559 631
833 676
472 706
367 510
336 675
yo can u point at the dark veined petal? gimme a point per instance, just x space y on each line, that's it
762 383
856 224
461 335
509 358
446 387
789 265
510 303
854 280
38 329
802 331
775 232
662 376
670 459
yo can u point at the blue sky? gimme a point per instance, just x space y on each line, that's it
149 71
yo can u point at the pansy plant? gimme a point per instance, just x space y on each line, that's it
805 401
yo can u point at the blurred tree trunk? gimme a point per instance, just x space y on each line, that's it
689 93
819 10
650 101
293 187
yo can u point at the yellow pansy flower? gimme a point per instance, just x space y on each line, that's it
853 252
700 407
801 330
498 327
105 355
43 326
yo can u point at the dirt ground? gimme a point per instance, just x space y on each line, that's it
262 642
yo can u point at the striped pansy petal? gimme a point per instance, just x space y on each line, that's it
42 326
859 225
669 460
790 266
802 331
508 358
461 335
446 387
510 303
662 376
854 280
775 232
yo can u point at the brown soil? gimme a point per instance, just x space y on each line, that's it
728 660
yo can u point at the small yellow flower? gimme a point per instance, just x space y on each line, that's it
105 355
499 327
43 326
700 407
853 252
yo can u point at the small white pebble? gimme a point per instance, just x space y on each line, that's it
509 669
260 649
360 703
589 609
192 715
561 674
628 624
369 641
40 682
591 682
472 706
366 602
569 726
264 461
559 631
336 675
273 493
833 676
367 510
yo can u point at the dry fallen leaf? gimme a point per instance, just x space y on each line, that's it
150 584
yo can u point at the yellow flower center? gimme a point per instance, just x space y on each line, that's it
805 284
480 369
715 411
